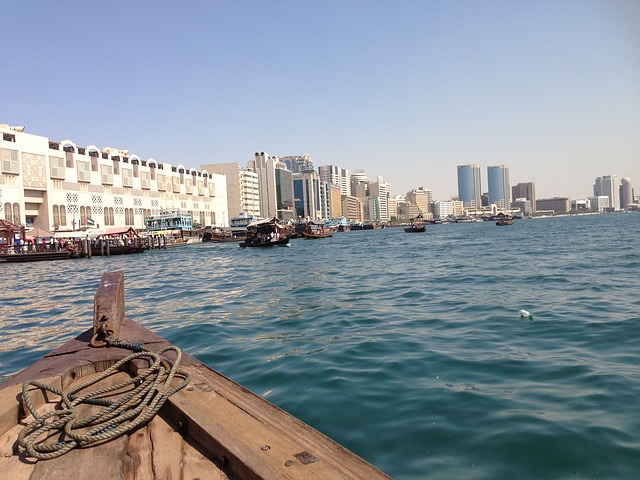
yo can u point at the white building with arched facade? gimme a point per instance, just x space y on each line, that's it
60 185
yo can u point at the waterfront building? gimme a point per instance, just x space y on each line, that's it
275 184
608 186
284 193
446 208
336 201
352 208
243 187
311 196
626 193
335 175
599 203
298 163
422 198
469 187
525 190
359 183
59 185
499 189
581 205
380 189
555 204
523 204
396 206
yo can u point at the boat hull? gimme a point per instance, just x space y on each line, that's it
33 257
270 243
212 428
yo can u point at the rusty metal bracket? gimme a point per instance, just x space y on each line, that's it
108 308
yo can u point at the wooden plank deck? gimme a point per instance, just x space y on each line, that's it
212 429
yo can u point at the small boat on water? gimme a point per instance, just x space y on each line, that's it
224 235
114 241
503 219
417 225
119 402
313 231
339 224
266 233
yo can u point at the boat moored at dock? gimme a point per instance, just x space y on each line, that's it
177 224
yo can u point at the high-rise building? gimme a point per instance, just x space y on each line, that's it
243 191
422 198
265 166
525 190
626 192
312 196
358 179
335 175
284 193
608 186
298 163
469 189
499 189
380 189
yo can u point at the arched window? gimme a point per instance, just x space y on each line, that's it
63 216
16 213
56 215
109 218
8 212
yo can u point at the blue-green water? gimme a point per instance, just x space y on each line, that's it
407 349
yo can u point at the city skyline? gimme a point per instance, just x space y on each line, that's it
406 91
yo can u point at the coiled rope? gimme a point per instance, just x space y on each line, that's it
138 400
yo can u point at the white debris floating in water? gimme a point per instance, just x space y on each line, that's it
525 314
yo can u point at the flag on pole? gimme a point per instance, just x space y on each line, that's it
90 221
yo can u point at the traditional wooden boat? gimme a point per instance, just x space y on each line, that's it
264 243
22 257
104 412
315 235
266 233
417 225
502 223
313 231
224 235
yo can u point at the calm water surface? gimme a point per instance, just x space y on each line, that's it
407 349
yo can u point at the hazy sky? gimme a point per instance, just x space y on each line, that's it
403 89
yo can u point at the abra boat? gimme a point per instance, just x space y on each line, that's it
313 231
417 225
224 235
114 241
157 413
266 233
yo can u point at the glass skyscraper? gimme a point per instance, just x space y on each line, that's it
499 189
469 189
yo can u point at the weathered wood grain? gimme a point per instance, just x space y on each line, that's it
214 428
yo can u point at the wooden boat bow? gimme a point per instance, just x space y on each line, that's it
212 428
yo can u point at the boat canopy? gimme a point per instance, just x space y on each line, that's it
269 221
109 231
